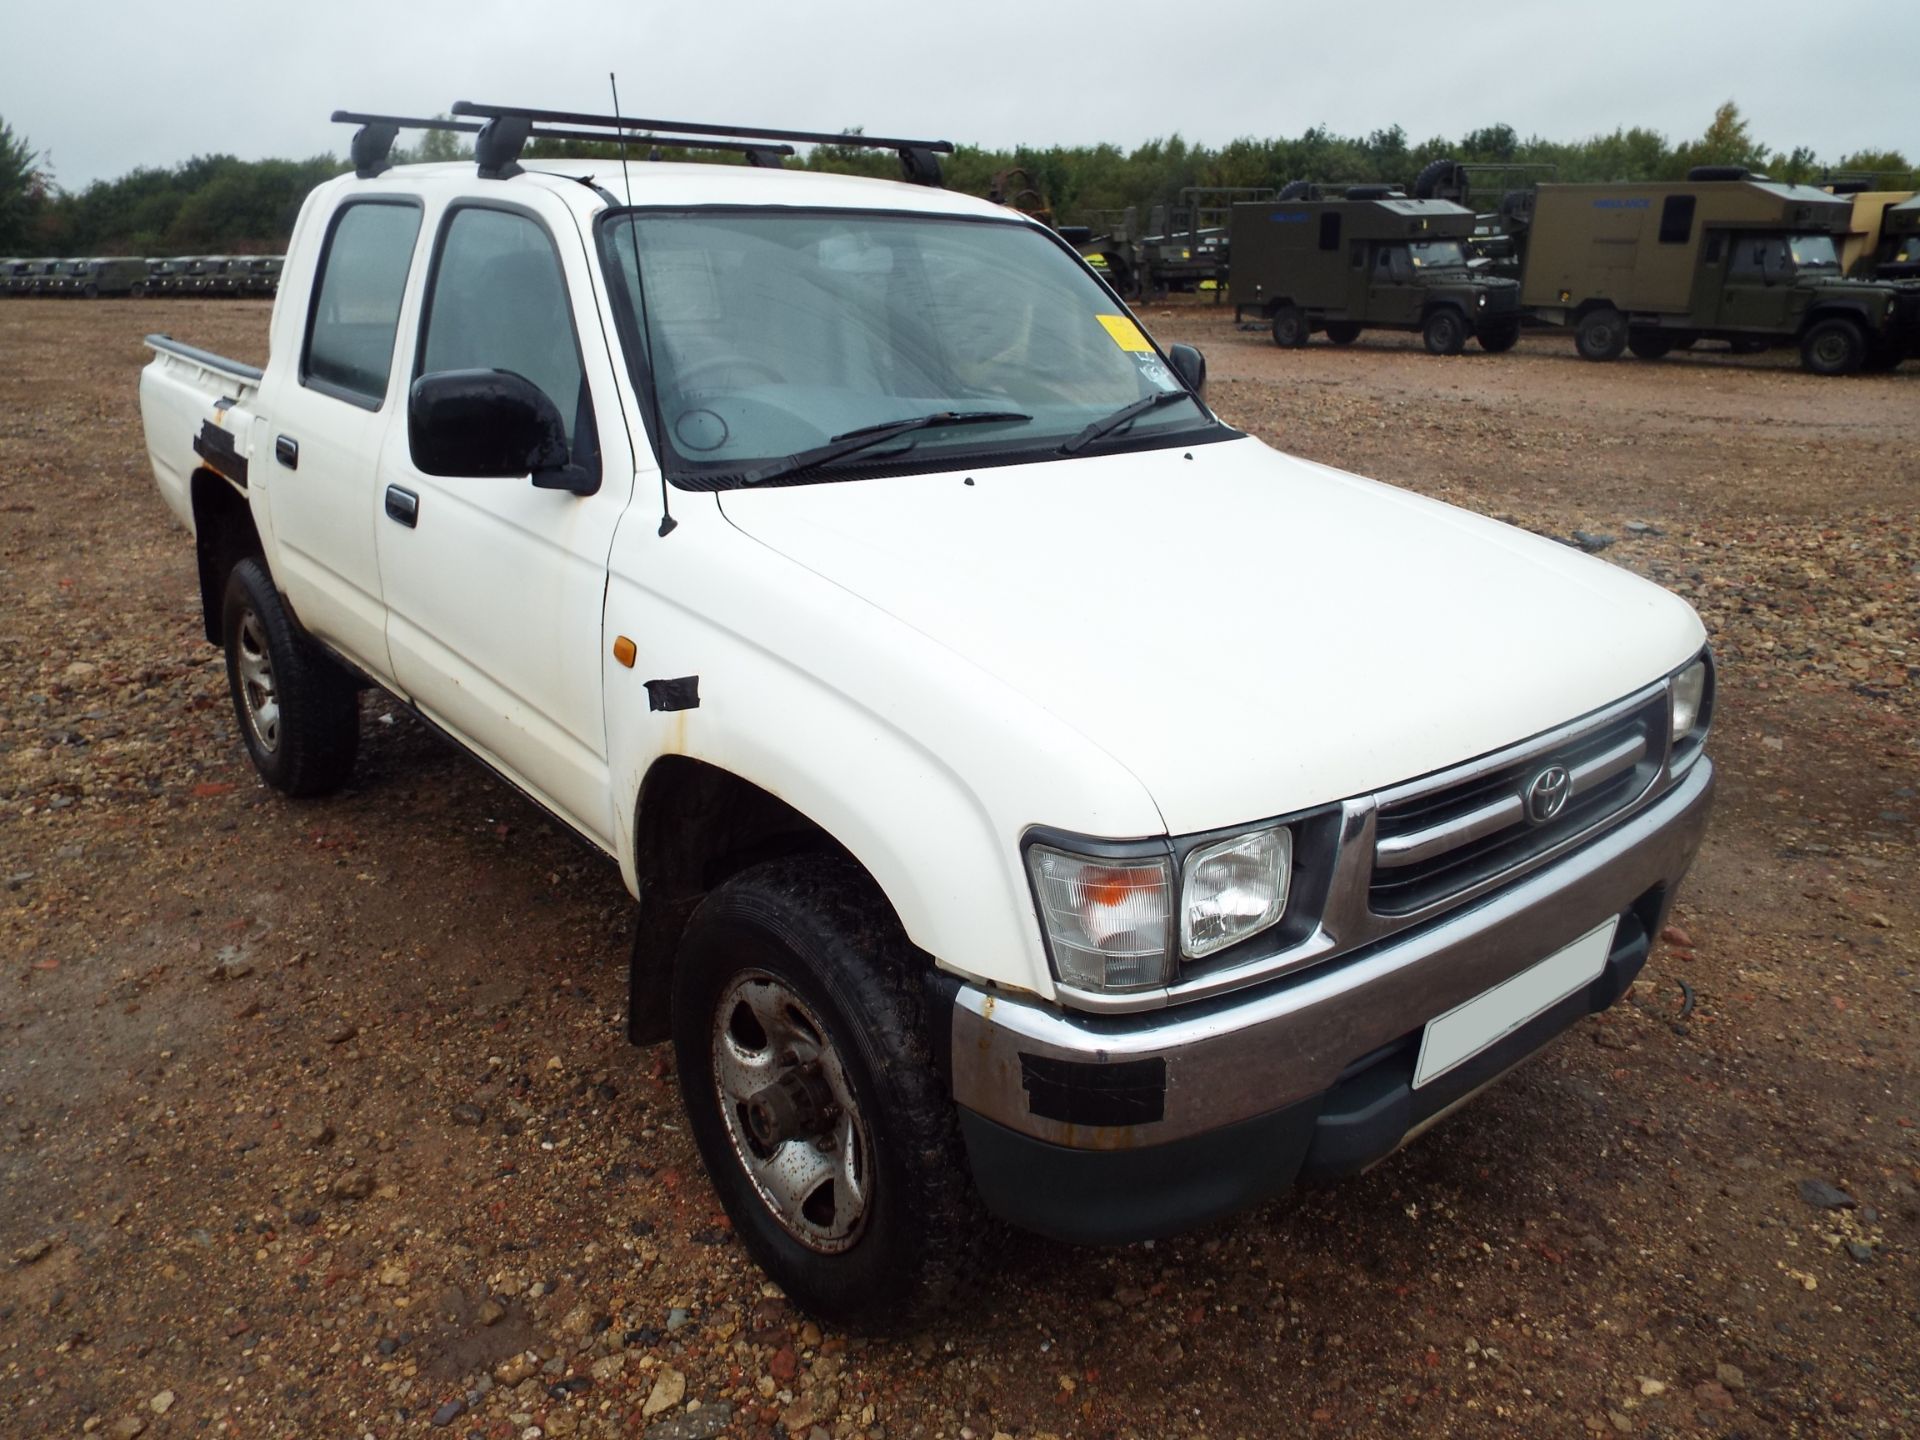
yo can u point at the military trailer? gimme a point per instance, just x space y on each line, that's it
109 275
1372 259
1656 267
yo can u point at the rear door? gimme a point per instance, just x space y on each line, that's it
495 588
325 419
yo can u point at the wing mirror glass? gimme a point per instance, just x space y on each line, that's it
1191 366
491 424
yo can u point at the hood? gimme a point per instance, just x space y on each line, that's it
1248 633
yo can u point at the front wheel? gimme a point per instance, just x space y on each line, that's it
299 713
1833 347
1290 327
1445 332
1601 335
807 1070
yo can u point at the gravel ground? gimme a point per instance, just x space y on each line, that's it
316 1119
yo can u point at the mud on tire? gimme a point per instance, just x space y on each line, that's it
298 712
803 958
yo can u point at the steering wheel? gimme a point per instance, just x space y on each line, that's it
693 377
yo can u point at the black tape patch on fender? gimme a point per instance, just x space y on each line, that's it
680 694
216 447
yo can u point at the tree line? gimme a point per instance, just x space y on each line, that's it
221 204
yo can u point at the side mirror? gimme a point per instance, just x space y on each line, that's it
491 424
1191 366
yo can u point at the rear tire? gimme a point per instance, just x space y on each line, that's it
1834 346
1290 327
1601 335
794 977
298 712
1649 344
1498 339
1342 332
1445 332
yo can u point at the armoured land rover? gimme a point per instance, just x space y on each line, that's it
1371 259
1722 256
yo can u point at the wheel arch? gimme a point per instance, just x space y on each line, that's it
224 534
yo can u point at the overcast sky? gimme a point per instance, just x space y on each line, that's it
153 85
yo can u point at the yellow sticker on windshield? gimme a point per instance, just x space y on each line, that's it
1125 333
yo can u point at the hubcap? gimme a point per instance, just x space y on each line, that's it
790 1113
258 695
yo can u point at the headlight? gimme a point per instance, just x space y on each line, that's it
1689 694
1233 889
1108 921
1482 301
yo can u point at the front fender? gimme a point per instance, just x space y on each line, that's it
920 765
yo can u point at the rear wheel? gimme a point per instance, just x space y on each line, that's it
1445 332
1290 328
1649 344
807 1069
299 713
1342 332
1834 346
1601 335
1498 339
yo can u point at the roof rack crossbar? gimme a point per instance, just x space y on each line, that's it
678 142
372 146
919 159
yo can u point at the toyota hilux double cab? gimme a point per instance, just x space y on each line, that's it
1041 799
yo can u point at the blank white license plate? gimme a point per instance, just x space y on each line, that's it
1463 1032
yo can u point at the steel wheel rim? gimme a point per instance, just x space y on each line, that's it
259 696
817 1188
1830 349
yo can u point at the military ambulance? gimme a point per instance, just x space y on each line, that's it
1722 256
1370 259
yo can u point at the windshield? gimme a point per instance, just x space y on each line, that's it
1908 249
1812 250
1434 254
776 332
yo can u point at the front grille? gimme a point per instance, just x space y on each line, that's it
1436 840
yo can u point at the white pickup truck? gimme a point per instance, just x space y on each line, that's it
1041 799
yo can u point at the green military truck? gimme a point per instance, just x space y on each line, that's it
1370 259
1721 256
103 275
1897 256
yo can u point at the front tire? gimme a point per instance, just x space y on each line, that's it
1444 333
298 712
1601 335
1290 327
807 1070
1833 347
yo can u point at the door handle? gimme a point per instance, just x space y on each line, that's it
403 505
286 450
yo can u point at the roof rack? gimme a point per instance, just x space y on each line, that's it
500 140
919 159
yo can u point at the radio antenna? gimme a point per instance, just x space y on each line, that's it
667 522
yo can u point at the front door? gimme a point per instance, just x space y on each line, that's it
494 588
1750 301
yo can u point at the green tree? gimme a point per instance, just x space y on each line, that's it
1728 141
23 190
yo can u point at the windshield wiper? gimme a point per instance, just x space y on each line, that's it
1107 424
867 436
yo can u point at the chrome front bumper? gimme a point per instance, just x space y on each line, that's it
1127 1082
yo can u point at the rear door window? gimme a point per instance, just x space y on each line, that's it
356 301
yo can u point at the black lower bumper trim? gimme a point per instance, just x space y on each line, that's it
1105 1197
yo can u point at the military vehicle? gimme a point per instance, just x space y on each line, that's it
260 274
1182 247
168 276
1373 258
111 275
11 268
1859 242
1723 255
1897 256
42 277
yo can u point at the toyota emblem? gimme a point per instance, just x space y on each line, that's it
1547 794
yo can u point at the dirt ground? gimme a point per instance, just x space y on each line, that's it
314 1118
